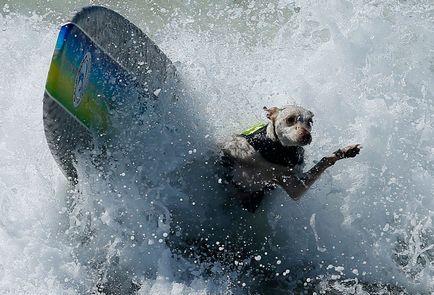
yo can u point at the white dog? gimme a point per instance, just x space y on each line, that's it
272 154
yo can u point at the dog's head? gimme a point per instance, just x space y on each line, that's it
291 125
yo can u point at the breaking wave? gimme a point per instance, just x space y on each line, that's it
364 69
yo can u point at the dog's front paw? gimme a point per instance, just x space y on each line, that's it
348 152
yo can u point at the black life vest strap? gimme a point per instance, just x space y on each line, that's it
274 151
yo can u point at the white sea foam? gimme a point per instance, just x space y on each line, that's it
364 69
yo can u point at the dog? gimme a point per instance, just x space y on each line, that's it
272 154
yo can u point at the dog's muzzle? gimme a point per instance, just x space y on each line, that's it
305 138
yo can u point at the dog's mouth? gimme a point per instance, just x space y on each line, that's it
304 138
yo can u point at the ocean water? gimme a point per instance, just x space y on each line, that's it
365 68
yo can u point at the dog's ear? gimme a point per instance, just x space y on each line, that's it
271 112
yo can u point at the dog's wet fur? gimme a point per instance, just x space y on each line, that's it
253 172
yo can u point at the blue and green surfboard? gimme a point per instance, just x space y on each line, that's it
101 61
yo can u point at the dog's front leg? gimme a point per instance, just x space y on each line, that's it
297 186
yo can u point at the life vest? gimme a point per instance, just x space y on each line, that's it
272 151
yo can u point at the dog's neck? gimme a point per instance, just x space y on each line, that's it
271 132
265 141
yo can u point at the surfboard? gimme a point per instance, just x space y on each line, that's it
101 62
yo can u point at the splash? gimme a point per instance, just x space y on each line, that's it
364 69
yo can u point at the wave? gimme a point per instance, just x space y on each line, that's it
364 69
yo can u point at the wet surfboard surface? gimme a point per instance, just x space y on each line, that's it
101 63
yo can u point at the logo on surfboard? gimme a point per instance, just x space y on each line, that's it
81 79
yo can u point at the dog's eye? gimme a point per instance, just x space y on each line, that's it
310 122
291 120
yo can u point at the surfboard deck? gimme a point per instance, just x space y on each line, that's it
100 63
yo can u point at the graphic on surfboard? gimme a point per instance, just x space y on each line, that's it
94 72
